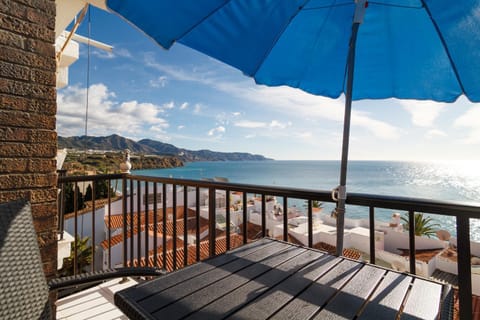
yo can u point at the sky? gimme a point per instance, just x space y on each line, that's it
192 101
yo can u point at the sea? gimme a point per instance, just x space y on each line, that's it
457 181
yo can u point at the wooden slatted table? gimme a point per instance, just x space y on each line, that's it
277 280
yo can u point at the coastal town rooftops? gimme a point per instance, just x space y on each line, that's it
220 247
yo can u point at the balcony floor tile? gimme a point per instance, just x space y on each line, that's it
94 303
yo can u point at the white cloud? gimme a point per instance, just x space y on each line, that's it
218 131
423 113
222 118
431 134
122 52
305 135
289 101
105 115
197 109
173 72
250 124
279 125
259 124
184 106
470 120
160 82
380 129
180 127
168 105
115 53
236 114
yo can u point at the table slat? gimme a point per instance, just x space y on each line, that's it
149 288
308 302
418 306
267 304
244 294
170 295
353 294
197 300
388 297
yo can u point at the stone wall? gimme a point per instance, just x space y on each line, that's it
28 143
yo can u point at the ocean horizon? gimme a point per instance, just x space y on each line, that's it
457 181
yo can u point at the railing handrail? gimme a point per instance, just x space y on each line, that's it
96 177
448 208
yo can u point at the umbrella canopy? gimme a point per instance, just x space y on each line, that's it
408 49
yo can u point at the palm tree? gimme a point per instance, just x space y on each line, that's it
84 257
315 204
424 225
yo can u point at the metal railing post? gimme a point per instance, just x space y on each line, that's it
61 204
285 218
411 240
211 220
227 218
245 219
464 267
310 223
125 220
197 224
185 225
264 216
371 216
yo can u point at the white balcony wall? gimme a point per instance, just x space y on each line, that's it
84 228
117 250
191 200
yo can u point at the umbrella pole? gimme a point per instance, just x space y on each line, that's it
341 192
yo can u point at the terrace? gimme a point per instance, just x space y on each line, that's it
28 168
206 238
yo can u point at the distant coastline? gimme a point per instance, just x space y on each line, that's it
104 154
150 148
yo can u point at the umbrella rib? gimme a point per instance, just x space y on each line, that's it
278 37
204 18
454 67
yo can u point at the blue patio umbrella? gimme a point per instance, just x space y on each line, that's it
408 49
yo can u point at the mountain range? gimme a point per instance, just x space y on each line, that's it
151 147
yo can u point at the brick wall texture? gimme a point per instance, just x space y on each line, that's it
28 140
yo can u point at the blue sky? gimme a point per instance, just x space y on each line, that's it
187 99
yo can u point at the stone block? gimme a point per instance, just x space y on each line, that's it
13 71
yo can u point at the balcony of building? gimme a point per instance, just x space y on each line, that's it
172 223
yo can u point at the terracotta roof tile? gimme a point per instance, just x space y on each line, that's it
254 231
191 229
116 220
220 243
347 252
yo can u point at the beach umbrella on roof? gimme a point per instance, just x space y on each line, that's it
408 49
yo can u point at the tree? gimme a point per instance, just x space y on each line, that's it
69 198
88 193
424 225
84 257
101 190
315 204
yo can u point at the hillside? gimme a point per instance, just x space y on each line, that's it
152 147
109 162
